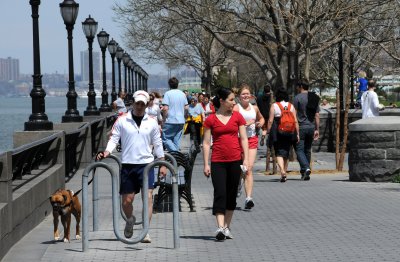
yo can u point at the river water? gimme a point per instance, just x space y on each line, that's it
15 111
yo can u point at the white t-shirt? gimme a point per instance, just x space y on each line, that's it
369 104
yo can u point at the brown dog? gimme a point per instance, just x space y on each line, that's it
64 203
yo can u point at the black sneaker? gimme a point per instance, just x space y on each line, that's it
249 203
220 234
307 175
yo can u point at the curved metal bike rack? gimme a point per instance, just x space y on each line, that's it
95 197
116 206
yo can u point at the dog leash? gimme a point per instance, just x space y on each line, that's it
91 180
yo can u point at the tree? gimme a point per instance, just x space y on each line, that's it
285 38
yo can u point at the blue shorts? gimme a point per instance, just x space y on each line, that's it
132 178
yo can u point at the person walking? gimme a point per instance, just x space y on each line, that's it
207 106
370 101
119 104
282 140
174 105
137 132
264 104
195 122
226 158
254 120
307 106
362 86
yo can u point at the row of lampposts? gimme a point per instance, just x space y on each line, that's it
137 77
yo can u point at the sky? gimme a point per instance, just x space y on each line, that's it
16 34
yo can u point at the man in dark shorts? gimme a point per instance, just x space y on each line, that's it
138 132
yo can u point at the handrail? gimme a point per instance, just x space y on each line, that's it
36 143
145 216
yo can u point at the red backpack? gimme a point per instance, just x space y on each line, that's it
287 123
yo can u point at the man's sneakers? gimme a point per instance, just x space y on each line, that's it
249 203
219 234
128 232
306 175
146 239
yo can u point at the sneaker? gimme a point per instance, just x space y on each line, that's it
146 239
227 233
128 232
307 175
249 203
219 234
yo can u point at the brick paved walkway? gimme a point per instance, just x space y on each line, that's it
324 219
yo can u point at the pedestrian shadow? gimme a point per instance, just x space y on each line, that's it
199 237
210 208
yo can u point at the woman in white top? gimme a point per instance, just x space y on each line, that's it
153 110
254 119
281 142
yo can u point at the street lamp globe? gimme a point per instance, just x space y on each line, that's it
112 47
69 11
120 52
103 38
125 58
89 27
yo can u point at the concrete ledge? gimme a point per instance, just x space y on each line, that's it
29 207
381 123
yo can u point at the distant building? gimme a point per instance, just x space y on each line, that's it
85 65
9 69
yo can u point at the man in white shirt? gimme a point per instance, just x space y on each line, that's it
370 101
137 132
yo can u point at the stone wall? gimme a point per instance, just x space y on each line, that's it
375 149
327 130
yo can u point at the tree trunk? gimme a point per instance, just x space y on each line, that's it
345 131
337 128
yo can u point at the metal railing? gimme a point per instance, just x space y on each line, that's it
74 149
37 156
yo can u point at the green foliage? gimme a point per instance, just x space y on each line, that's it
396 179
222 79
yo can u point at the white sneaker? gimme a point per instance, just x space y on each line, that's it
146 239
128 232
219 234
227 233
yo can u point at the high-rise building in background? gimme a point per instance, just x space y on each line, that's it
85 65
9 69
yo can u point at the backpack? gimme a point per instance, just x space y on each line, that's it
312 106
287 122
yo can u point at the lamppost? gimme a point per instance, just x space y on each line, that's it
119 55
130 95
89 27
146 78
69 12
103 38
38 119
112 48
132 63
125 60
136 77
134 87
140 78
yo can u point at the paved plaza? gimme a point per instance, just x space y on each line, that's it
325 219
